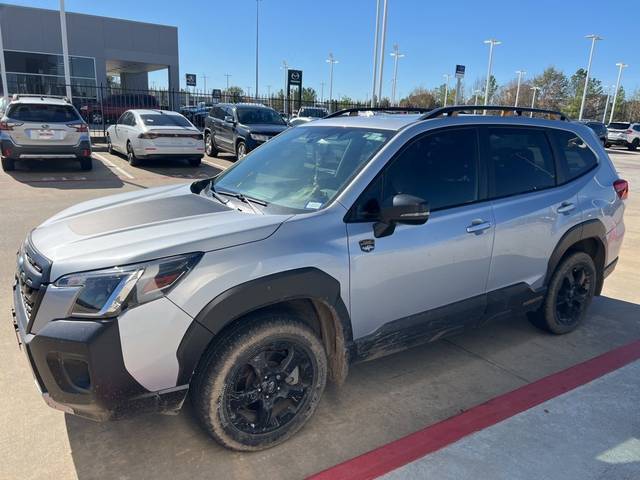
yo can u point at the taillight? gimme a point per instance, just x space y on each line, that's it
148 135
629 131
80 127
9 125
622 189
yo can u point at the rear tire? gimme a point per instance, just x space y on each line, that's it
8 164
633 146
195 162
86 163
569 295
110 150
260 382
131 156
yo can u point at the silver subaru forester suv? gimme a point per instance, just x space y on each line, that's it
340 240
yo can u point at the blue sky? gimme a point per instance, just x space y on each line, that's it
218 37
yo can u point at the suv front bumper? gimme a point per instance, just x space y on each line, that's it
16 152
79 369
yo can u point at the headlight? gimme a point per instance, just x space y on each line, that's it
260 138
105 293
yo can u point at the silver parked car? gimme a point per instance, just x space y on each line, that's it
623 133
153 134
308 114
43 127
340 240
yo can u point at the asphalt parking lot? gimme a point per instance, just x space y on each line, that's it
381 401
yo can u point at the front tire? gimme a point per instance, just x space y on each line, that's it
131 156
569 295
633 146
195 162
241 150
8 164
260 383
209 147
109 145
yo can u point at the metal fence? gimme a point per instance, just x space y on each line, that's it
101 106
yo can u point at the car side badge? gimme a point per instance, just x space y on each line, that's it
367 245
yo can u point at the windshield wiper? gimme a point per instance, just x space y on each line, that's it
210 189
243 198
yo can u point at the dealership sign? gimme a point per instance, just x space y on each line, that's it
191 79
295 77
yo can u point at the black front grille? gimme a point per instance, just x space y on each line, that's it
32 274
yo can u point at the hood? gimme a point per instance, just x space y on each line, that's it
266 128
144 225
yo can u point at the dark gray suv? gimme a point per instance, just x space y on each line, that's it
239 128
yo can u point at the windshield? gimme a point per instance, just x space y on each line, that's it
619 125
313 112
26 112
249 116
164 120
303 169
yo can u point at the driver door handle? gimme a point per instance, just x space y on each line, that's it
478 226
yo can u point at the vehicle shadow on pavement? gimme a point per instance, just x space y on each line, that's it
64 175
381 401
176 168
625 151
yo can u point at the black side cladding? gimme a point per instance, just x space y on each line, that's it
304 283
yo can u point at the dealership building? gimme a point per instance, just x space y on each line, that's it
98 47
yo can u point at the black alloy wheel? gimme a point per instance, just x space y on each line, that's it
574 295
268 390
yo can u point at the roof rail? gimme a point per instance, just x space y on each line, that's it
349 111
17 96
449 111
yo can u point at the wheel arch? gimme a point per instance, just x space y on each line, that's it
309 293
589 237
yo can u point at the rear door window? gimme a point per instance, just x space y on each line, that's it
520 161
36 113
575 158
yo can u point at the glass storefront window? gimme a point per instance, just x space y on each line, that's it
25 62
82 67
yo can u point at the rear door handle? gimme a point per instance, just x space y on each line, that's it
478 226
566 207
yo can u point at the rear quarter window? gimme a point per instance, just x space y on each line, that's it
575 158
26 112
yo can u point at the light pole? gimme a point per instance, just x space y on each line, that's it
204 78
475 99
397 55
226 93
257 38
3 69
620 66
249 92
269 94
321 92
533 99
331 61
382 44
520 74
492 42
593 38
446 89
606 103
375 55
285 93
65 50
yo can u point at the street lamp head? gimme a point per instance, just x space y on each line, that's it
521 72
493 41
621 65
593 36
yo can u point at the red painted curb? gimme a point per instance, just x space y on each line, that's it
434 437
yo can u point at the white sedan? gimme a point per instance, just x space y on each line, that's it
151 134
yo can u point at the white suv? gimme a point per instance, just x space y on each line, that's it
43 127
623 133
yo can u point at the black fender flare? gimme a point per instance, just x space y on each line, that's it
590 229
304 283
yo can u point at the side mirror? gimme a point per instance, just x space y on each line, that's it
229 119
404 209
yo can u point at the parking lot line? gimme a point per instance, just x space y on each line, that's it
110 164
384 459
213 164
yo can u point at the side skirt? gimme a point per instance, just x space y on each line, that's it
447 320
